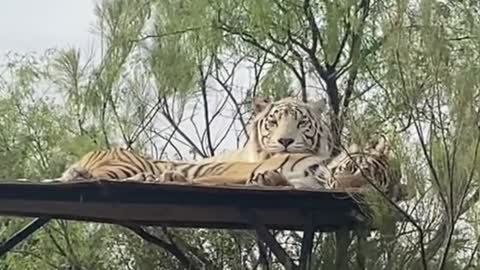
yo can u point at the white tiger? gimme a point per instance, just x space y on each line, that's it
284 126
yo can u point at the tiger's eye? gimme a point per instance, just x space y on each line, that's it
302 123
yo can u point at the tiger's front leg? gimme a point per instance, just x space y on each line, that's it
269 178
73 174
171 176
144 177
165 177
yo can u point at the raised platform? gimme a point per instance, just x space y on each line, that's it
179 205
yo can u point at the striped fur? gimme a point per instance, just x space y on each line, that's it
357 168
284 126
120 164
290 119
117 164
300 170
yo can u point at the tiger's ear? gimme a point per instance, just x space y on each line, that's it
259 104
378 145
319 105
382 145
353 148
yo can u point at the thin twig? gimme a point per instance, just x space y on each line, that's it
170 120
203 88
173 33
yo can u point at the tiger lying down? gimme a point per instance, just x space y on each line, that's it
351 168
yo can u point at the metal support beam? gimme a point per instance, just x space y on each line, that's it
265 236
362 234
262 255
22 235
342 242
307 243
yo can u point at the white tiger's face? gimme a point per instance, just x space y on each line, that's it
292 126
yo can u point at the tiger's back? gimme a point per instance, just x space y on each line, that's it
121 164
113 164
298 170
289 169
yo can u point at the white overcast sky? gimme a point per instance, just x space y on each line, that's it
37 25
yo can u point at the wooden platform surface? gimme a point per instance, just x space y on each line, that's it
178 205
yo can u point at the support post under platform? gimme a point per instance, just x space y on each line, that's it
307 243
22 234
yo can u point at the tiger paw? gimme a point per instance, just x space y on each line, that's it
172 176
269 178
74 174
144 177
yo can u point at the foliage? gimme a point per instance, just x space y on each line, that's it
172 79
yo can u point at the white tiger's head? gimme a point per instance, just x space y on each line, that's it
291 126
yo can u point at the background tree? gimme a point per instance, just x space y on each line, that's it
166 68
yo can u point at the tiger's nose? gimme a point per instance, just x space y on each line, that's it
286 141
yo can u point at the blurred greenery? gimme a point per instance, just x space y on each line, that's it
172 79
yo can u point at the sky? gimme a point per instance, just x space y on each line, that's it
37 25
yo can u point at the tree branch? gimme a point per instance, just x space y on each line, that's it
169 247
203 87
169 118
251 40
173 33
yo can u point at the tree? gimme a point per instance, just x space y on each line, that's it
401 68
